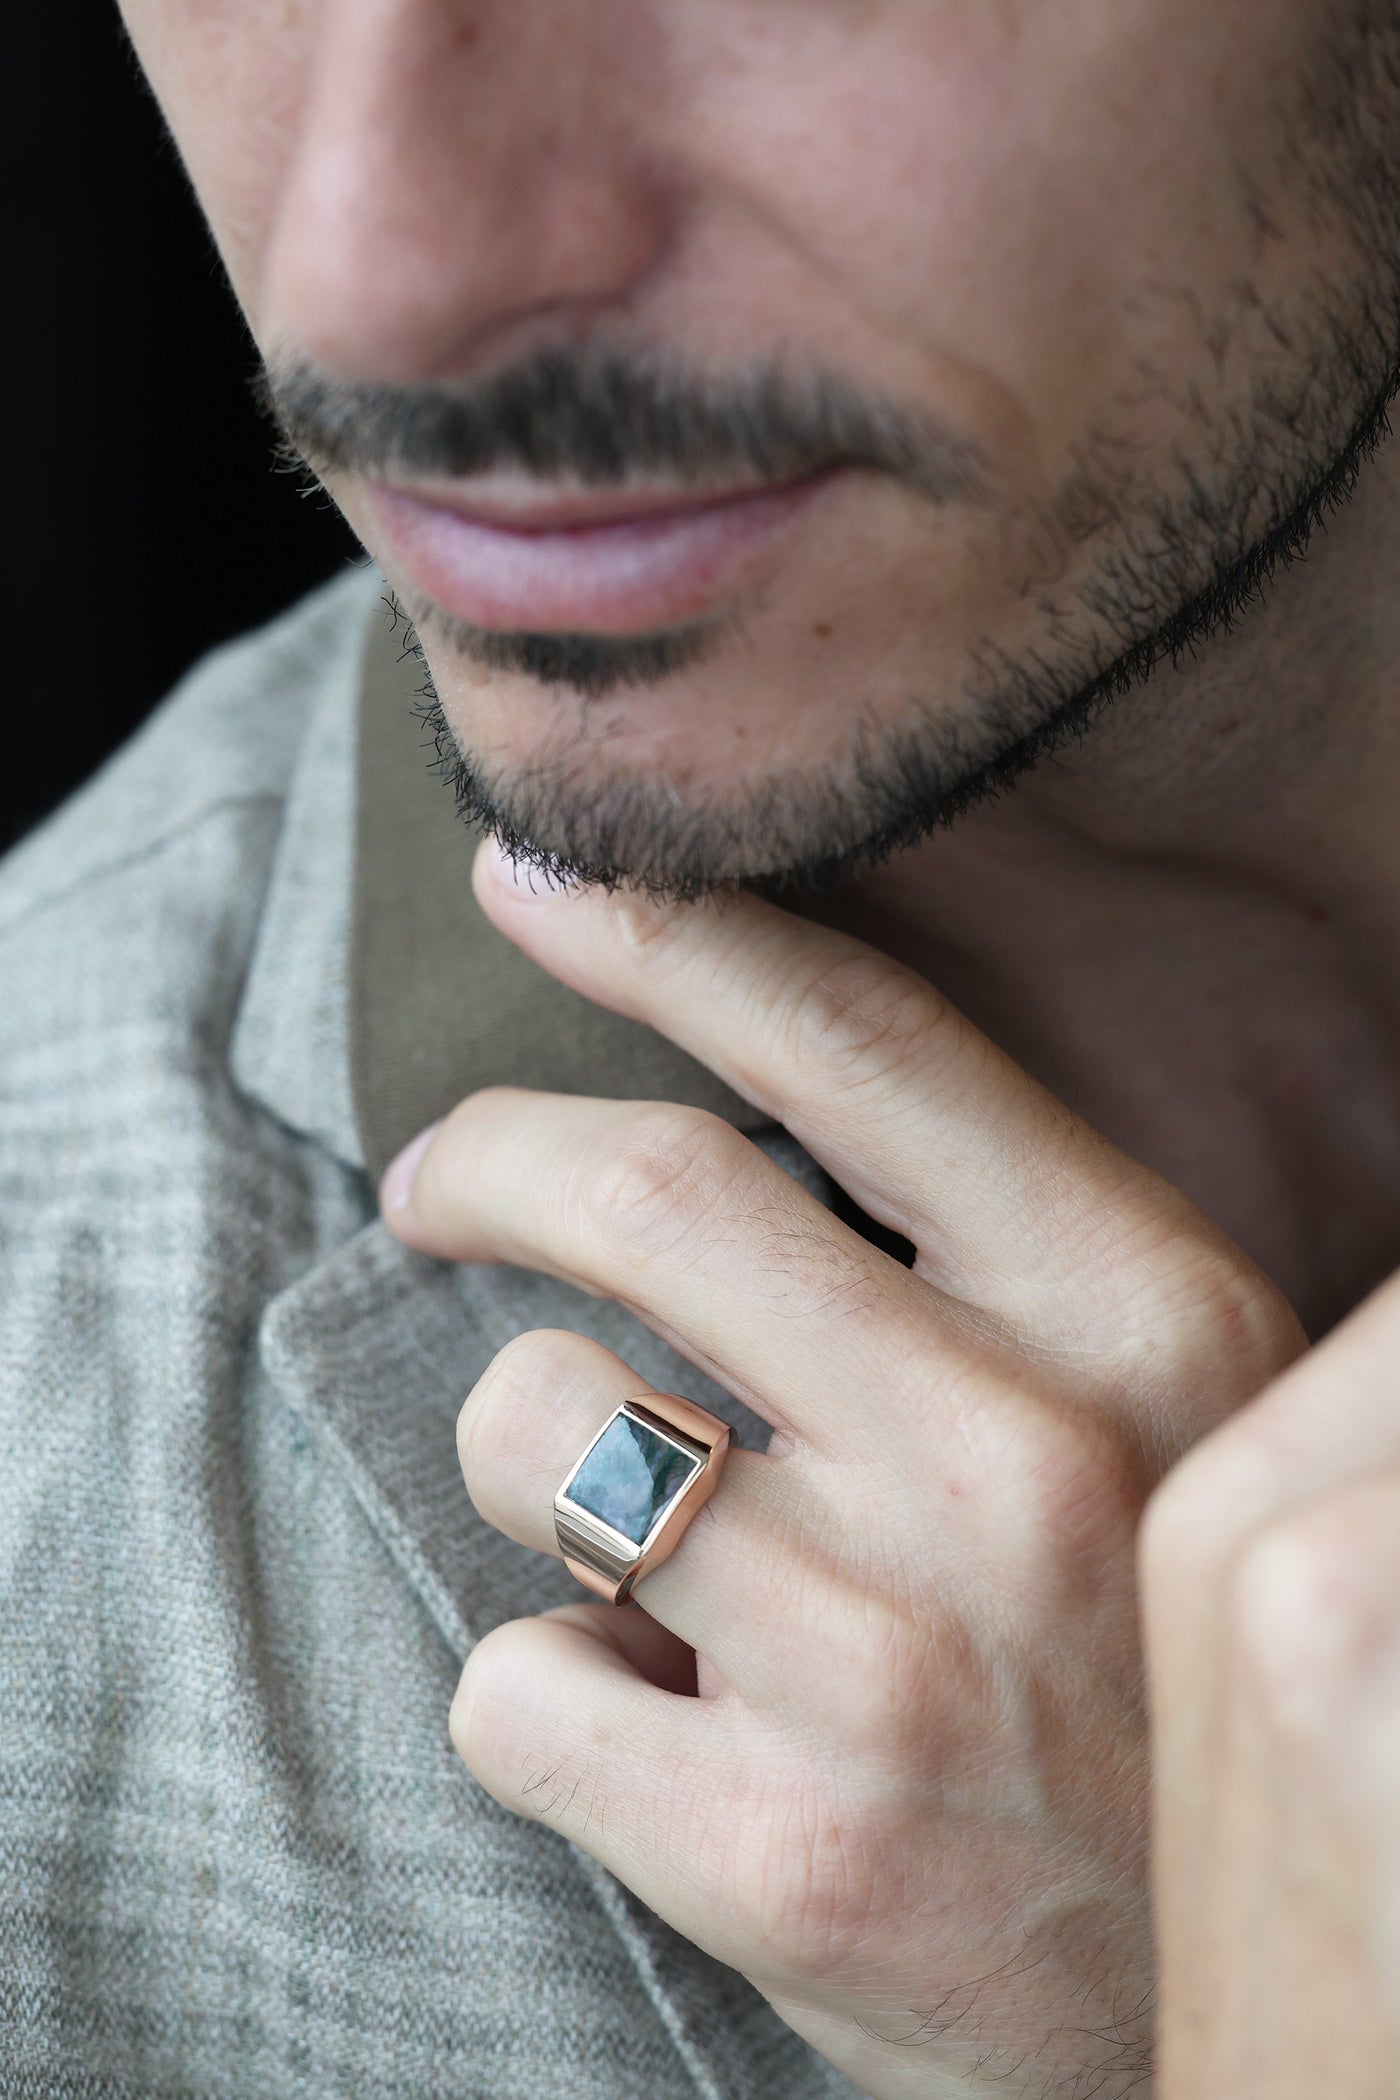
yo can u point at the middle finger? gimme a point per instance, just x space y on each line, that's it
675 1215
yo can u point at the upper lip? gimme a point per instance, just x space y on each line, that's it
521 506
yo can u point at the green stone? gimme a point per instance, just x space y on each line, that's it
630 1476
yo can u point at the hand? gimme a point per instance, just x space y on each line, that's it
1271 1577
900 1781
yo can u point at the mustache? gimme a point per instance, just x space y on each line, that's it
604 419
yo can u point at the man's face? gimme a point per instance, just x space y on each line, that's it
774 412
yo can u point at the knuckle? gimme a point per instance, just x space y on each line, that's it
1277 1603
864 1018
660 1184
1311 1609
913 1696
1231 1331
805 1878
1075 1487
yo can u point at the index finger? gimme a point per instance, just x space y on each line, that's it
1010 1200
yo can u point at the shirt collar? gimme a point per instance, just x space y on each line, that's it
290 1049
380 994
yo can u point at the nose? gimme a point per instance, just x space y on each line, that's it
462 176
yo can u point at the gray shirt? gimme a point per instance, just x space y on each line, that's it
238 1570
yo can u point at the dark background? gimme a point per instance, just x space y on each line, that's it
147 520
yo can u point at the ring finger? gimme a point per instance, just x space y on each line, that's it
532 1414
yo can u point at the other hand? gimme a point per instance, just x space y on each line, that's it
1271 1579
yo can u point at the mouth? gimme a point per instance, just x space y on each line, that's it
514 556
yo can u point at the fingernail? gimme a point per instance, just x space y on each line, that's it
521 883
396 1188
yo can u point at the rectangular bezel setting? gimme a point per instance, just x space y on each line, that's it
630 1476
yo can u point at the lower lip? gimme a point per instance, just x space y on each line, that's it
627 576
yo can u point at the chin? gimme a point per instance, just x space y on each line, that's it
709 782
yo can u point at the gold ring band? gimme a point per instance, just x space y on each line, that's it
627 1502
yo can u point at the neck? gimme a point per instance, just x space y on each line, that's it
1189 925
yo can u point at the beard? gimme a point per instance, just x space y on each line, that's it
1157 568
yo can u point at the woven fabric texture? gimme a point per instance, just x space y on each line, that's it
238 1571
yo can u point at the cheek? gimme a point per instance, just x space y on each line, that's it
232 77
1010 194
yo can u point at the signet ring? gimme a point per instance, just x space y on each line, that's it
627 1502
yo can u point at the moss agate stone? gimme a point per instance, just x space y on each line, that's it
630 1476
